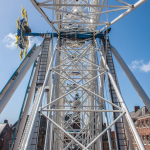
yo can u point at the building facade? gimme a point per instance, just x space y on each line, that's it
105 139
141 118
7 132
6 135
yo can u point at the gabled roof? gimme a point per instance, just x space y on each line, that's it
138 113
2 126
14 125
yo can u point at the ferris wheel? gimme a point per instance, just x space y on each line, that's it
68 83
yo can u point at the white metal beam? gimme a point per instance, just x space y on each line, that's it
19 78
132 79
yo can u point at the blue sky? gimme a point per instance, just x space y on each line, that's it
130 36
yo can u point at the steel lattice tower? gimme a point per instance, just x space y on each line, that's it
72 79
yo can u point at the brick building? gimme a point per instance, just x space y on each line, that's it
6 135
105 139
141 118
7 132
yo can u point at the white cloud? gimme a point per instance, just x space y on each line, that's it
10 40
140 65
145 67
32 41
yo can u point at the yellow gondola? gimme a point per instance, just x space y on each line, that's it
25 53
27 45
17 21
25 14
22 12
17 38
21 52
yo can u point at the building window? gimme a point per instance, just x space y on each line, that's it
143 124
144 140
147 122
148 139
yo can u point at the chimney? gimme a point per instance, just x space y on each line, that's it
6 121
136 108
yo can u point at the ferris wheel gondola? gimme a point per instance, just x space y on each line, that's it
22 41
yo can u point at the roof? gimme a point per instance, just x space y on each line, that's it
2 126
14 125
138 113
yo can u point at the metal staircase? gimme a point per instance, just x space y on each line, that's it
118 126
30 123
34 140
40 80
43 60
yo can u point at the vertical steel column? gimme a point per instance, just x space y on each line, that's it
91 99
101 93
47 145
104 106
99 116
61 102
57 94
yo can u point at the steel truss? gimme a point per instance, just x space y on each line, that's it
68 83
76 106
82 98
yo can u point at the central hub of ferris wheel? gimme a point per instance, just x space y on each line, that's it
73 85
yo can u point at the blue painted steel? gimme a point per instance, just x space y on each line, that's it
22 20
76 35
18 32
20 45
40 34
